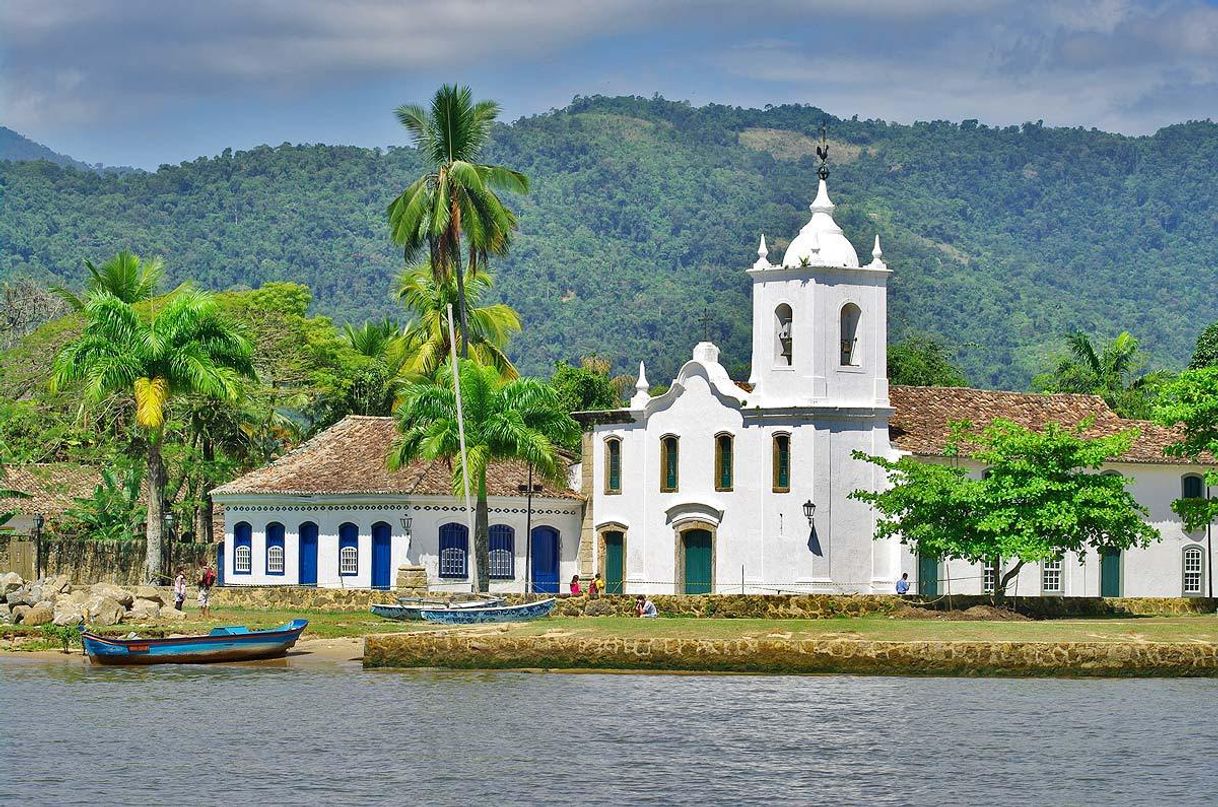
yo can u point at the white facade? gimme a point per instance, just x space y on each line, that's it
420 548
819 380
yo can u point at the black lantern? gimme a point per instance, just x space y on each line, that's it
406 521
810 511
39 521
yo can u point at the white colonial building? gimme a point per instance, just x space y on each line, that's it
721 486
714 486
331 514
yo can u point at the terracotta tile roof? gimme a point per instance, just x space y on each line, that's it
921 418
349 459
51 487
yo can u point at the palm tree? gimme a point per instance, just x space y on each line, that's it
1112 371
520 419
126 276
185 348
426 336
453 206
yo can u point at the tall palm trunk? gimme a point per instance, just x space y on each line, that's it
154 534
207 510
482 536
462 325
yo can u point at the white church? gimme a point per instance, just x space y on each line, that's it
715 486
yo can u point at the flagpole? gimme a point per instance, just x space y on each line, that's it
469 523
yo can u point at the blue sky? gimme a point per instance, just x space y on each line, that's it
144 82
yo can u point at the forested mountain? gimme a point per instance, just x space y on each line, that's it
645 212
17 147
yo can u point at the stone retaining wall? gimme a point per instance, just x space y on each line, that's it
1019 659
769 606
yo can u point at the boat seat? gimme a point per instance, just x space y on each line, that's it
229 631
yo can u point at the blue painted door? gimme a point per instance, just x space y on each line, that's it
545 560
308 555
220 563
1110 572
380 555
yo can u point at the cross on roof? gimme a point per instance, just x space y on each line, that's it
706 324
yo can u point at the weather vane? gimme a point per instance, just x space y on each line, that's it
822 151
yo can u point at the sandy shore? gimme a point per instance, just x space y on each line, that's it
307 654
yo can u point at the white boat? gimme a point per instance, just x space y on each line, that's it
410 609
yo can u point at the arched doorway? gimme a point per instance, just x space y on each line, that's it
615 560
697 561
545 560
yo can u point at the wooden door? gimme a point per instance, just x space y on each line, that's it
545 560
698 566
615 562
1110 572
381 544
307 563
928 576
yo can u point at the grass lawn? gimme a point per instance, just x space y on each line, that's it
331 624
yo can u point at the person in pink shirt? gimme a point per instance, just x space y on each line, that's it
575 589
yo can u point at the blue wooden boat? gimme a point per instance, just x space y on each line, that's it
410 609
494 613
222 644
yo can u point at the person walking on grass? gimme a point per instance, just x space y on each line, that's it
206 581
179 589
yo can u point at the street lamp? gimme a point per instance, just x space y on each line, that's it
39 521
810 512
407 521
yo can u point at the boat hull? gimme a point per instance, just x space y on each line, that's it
502 613
224 644
413 612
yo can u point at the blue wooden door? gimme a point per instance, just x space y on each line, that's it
545 560
928 576
308 554
698 562
1110 572
220 563
381 533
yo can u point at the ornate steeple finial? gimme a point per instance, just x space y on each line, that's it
876 252
641 390
822 151
762 252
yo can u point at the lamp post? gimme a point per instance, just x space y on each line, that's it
39 521
406 522
810 513
528 491
168 543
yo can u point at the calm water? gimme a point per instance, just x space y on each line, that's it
71 734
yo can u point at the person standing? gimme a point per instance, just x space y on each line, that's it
206 581
179 589
575 589
903 584
596 586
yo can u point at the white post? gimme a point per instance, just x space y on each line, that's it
469 513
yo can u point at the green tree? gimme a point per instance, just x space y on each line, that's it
1205 354
585 388
7 493
186 347
1190 404
1113 371
1040 498
922 360
504 420
454 207
426 301
126 276
113 512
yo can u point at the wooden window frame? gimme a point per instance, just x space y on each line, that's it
1057 567
610 444
345 543
731 471
497 571
665 487
1198 553
276 541
462 551
1184 480
775 465
243 538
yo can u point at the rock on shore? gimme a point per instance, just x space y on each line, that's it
54 599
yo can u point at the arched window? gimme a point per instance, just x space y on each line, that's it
348 549
669 461
851 314
243 550
1192 487
454 550
1194 571
1051 576
613 465
274 548
503 552
782 463
723 462
783 349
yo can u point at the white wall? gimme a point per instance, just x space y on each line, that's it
428 514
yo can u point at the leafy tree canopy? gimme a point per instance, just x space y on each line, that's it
1114 370
1040 498
923 361
1205 354
1190 402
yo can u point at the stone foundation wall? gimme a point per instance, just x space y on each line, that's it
757 606
1019 659
86 562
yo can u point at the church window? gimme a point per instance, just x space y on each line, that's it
782 335
348 549
243 553
1193 487
723 462
851 314
1051 576
274 548
989 576
1194 571
613 465
503 552
782 463
669 459
454 550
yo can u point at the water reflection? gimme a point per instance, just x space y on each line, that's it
277 733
